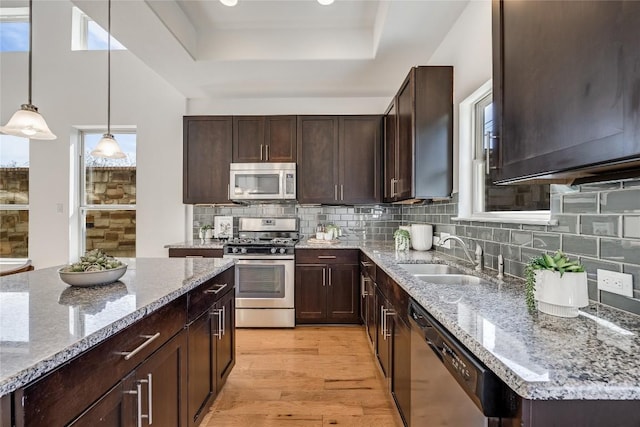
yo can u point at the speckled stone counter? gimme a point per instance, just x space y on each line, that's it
197 244
541 357
44 322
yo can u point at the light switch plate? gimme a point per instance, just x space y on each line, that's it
617 283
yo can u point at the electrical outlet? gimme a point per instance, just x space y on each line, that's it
617 283
446 244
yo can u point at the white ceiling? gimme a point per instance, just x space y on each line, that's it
280 48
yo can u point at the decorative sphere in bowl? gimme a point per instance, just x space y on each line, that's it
92 278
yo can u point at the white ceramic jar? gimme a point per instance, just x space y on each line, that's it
421 236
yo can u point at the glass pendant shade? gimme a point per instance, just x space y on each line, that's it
108 147
229 3
28 123
325 2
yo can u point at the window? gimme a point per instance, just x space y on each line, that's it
108 198
86 34
479 198
14 29
14 197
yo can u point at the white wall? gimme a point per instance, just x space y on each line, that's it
70 90
467 47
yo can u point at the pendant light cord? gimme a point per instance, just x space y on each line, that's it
30 44
108 70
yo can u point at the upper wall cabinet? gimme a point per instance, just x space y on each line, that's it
418 143
566 88
339 159
206 158
264 139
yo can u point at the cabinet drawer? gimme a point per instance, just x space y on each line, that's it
327 256
367 266
195 253
205 295
64 393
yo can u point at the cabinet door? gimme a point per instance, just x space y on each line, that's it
401 371
201 385
310 293
248 139
343 294
363 297
225 342
280 139
163 380
317 159
115 409
565 84
384 326
359 156
404 157
390 153
206 158
371 312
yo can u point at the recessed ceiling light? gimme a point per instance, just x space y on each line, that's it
230 3
325 2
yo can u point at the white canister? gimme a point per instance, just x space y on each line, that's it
421 236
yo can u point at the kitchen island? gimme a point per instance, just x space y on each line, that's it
47 326
562 366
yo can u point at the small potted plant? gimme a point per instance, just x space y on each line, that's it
556 284
402 239
206 232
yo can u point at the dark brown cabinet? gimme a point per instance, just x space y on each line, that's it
195 253
418 143
368 297
339 159
327 286
115 408
207 143
264 139
565 92
211 338
384 327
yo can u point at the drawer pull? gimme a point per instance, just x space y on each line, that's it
194 256
326 257
150 338
365 264
217 289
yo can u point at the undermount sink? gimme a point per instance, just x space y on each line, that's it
430 269
450 279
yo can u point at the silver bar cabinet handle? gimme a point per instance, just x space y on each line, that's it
324 276
224 326
150 396
139 393
217 290
335 192
329 276
150 338
261 145
382 323
388 312
266 147
326 257
341 192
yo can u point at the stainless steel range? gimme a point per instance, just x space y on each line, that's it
264 271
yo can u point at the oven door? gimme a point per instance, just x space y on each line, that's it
264 282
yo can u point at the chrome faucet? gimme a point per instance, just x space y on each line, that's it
478 262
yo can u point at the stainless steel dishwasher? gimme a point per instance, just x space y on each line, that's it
449 386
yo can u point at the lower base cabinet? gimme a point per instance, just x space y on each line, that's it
401 368
151 395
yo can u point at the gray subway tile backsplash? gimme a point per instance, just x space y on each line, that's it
602 236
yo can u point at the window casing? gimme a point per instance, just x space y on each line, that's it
479 199
14 197
108 197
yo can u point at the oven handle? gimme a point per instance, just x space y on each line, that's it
260 257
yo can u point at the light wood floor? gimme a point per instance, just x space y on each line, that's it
307 376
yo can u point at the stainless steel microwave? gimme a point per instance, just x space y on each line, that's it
262 181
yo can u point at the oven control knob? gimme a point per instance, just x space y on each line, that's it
282 250
273 250
243 250
236 250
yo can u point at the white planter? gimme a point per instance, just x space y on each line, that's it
561 296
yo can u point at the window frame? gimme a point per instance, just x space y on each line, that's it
80 32
84 207
468 185
15 15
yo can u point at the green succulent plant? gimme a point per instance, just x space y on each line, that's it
557 262
401 233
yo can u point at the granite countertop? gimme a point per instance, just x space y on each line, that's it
541 357
198 244
44 322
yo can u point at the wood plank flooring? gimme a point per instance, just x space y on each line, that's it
307 376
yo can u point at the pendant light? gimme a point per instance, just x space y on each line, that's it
108 147
27 122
